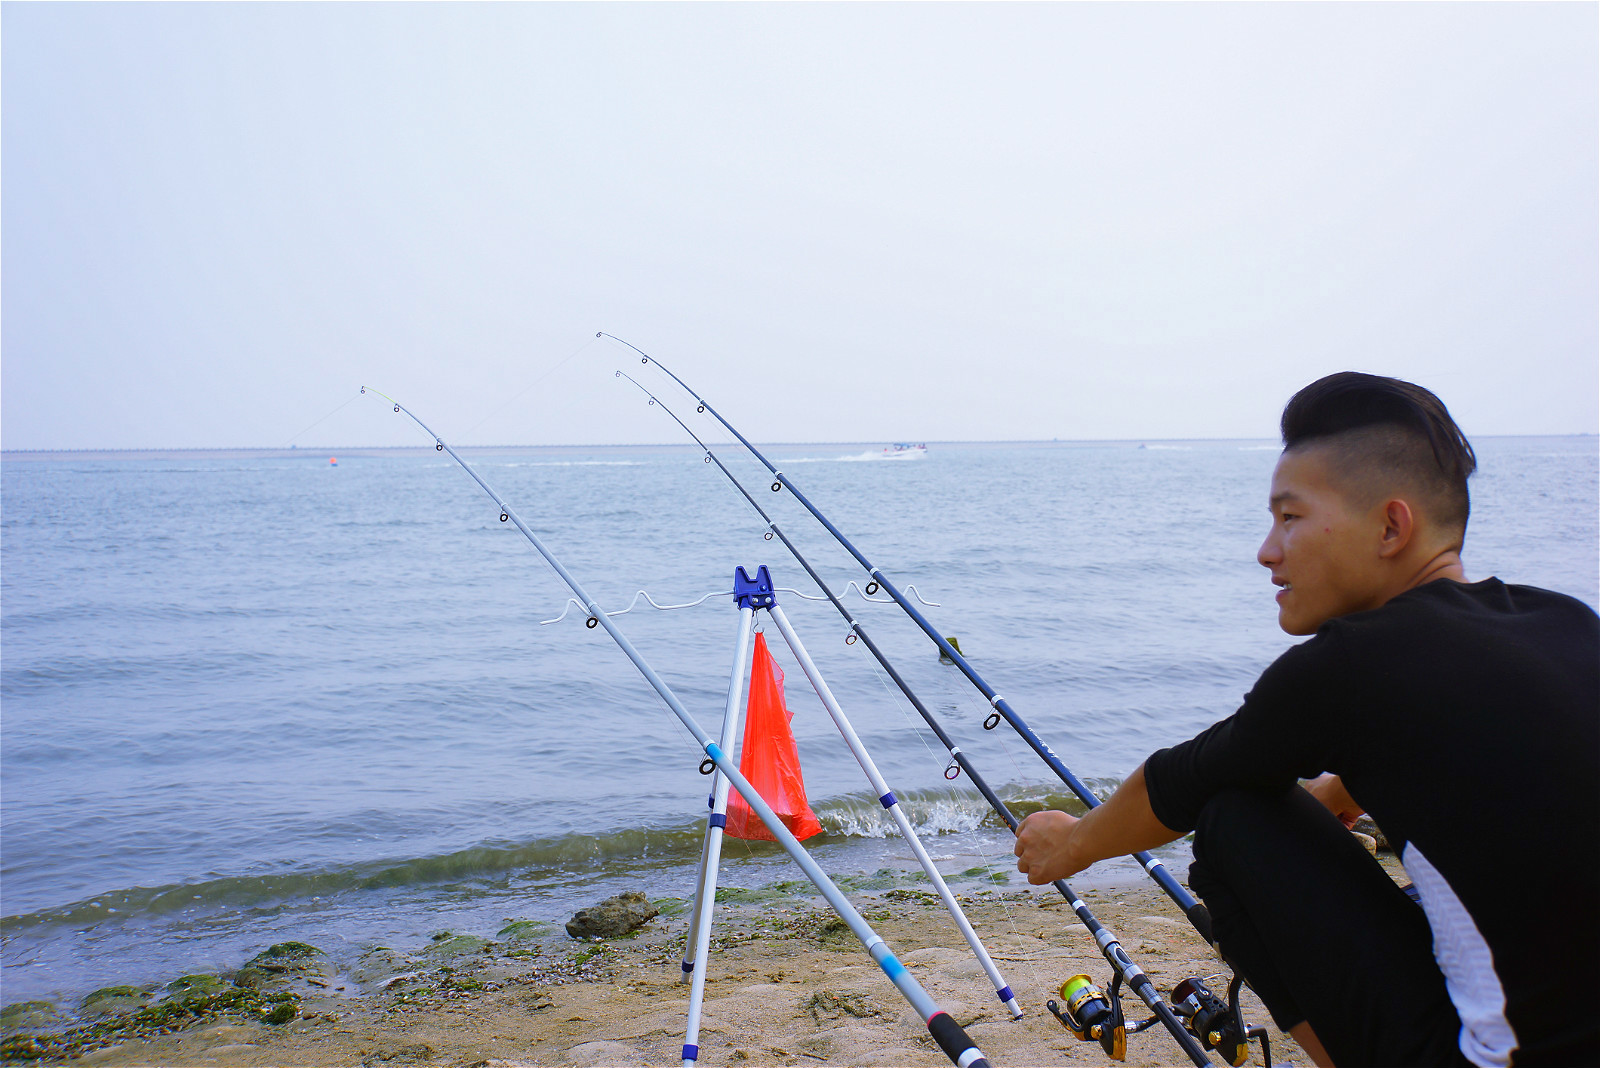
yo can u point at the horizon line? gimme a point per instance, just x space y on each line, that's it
15 453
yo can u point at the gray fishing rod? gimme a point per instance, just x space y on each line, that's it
1194 910
949 1035
1123 966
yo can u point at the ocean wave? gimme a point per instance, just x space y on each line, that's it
932 812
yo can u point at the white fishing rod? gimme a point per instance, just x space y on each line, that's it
948 1034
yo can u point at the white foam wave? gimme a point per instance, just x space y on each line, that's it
928 817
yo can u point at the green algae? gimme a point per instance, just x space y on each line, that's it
521 930
195 999
670 906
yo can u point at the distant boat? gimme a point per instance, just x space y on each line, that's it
901 448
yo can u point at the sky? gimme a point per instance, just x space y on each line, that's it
838 222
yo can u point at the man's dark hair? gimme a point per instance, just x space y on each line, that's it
1383 434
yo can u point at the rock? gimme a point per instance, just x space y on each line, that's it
1365 825
31 1016
283 963
613 917
1369 843
187 988
378 967
522 930
449 948
113 1001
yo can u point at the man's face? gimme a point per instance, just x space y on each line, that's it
1321 549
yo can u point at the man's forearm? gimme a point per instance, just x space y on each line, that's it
1053 845
1124 824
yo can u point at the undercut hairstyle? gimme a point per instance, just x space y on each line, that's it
1383 435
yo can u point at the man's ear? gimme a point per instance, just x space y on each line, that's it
1399 525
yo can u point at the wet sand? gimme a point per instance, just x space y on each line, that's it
787 986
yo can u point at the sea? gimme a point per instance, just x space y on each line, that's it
332 697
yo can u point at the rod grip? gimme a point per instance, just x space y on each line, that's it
1200 916
955 1043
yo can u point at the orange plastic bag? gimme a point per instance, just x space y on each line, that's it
768 758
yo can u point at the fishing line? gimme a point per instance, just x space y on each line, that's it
949 1035
324 419
1125 969
518 396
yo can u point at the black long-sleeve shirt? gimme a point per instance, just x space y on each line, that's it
1465 718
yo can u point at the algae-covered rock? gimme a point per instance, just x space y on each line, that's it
281 963
23 1048
449 948
31 1016
187 988
113 1001
522 930
613 917
377 966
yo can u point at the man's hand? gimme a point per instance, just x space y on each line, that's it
1329 789
1053 845
1044 847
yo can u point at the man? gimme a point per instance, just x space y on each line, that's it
1464 717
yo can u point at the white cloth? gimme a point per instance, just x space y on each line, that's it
1468 966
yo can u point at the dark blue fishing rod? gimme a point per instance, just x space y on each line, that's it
1112 1032
1194 910
949 1035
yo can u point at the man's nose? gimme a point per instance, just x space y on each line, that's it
1268 554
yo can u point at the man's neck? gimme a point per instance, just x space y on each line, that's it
1443 565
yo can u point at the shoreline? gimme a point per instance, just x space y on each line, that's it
786 985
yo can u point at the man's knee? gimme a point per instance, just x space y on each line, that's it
1229 829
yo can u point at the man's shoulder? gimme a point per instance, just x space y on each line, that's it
1446 603
1441 615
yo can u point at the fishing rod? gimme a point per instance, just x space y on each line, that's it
1111 1031
1196 912
949 1035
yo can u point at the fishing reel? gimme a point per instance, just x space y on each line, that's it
1093 1015
1218 1026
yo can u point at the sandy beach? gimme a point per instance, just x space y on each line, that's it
787 986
